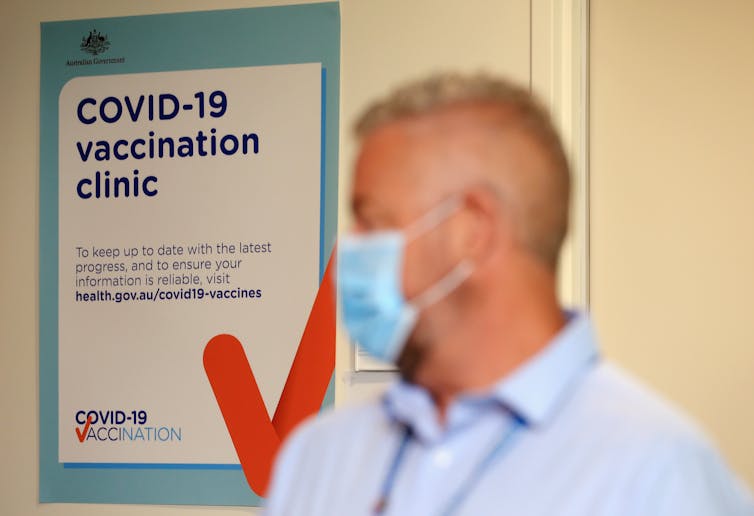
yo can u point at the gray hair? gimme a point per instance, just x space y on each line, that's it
542 211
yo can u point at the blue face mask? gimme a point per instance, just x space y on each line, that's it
374 309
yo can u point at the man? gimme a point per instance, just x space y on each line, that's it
460 198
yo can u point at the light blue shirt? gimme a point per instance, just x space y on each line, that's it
594 443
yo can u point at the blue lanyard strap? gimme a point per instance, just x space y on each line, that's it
459 496
387 484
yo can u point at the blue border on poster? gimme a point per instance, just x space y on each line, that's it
156 43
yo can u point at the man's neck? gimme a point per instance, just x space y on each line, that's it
497 338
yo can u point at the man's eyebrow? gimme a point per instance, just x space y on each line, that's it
364 206
357 204
368 213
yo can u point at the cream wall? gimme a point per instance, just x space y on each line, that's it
670 191
672 204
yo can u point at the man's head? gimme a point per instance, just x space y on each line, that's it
524 157
488 143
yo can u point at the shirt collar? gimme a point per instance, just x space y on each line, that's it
534 391
542 384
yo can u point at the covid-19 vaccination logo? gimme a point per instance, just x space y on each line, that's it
121 426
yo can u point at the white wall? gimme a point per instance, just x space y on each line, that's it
672 204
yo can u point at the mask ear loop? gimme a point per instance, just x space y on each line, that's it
432 218
458 274
444 286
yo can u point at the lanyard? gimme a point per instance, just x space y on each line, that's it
459 496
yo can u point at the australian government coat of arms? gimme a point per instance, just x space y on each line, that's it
95 43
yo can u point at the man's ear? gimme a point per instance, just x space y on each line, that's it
481 230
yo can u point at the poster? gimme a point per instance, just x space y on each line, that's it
188 171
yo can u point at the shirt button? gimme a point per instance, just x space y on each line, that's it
442 458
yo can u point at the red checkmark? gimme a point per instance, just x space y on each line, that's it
82 435
255 437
